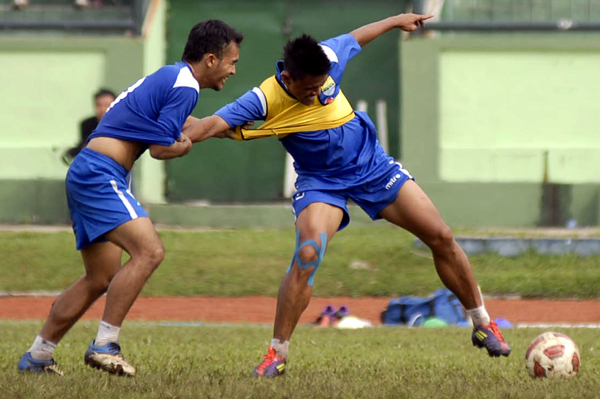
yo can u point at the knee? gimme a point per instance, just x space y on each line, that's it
99 283
307 254
442 240
155 256
149 258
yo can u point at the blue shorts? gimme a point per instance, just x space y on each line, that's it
372 196
99 197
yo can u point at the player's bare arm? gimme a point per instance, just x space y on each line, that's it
205 128
407 22
179 148
190 120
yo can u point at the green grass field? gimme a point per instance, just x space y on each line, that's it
216 362
251 262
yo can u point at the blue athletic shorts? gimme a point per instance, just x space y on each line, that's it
372 196
99 197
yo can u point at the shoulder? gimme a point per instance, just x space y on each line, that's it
186 79
339 45
177 75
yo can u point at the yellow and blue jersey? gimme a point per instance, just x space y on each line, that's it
154 109
333 146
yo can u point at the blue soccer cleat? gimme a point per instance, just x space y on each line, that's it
30 365
490 338
108 358
271 366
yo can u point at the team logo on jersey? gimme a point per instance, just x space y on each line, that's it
329 87
328 100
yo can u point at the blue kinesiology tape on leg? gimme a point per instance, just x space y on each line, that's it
316 263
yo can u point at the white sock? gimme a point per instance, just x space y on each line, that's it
42 349
479 316
106 334
281 347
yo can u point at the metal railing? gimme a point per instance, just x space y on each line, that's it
77 16
513 15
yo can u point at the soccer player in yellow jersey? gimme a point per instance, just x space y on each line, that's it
337 157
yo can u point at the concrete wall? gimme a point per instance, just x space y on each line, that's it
47 82
480 112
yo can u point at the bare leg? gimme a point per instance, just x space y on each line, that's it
414 211
101 261
139 238
294 292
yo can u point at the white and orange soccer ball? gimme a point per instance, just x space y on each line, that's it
552 355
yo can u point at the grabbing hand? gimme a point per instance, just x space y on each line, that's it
184 143
410 22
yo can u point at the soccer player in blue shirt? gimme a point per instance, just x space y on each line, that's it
337 157
150 115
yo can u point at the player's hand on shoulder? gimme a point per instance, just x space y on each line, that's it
410 22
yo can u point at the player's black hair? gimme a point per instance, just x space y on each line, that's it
104 92
209 36
303 56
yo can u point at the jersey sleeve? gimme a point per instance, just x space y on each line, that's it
340 50
252 106
180 104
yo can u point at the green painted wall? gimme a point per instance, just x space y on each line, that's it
513 105
47 89
479 112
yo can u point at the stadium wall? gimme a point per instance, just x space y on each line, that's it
490 122
48 81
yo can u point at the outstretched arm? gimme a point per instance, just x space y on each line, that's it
211 126
407 22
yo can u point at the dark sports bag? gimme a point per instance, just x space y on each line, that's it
412 311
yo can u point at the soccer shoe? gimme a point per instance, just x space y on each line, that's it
326 317
271 366
31 365
108 358
342 312
490 338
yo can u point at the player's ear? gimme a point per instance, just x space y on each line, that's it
286 78
211 60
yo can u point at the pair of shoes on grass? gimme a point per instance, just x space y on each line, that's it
330 316
108 358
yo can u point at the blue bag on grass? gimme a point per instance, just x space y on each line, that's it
412 311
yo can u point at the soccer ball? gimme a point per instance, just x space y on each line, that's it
552 355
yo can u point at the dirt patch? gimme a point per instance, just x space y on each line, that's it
261 310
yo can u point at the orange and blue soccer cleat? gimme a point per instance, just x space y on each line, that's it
31 365
490 338
271 366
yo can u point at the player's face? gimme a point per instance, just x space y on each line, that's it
306 89
225 67
101 105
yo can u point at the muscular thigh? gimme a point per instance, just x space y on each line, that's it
413 210
318 218
136 236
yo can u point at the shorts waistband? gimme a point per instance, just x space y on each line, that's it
106 160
